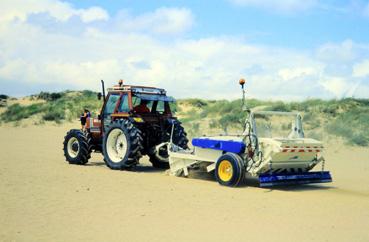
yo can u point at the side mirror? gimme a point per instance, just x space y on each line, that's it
99 117
99 96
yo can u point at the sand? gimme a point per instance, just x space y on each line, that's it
45 199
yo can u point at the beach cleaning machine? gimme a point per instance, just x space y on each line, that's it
271 160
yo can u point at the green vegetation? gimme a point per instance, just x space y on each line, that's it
3 100
54 115
17 112
346 118
57 107
49 96
352 125
195 102
3 97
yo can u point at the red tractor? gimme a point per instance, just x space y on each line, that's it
134 121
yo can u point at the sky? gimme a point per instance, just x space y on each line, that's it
285 49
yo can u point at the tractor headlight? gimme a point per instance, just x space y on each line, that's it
138 120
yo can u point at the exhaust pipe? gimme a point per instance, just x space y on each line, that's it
103 88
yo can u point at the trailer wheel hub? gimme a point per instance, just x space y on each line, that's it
225 170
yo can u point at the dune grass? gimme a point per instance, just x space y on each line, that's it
17 112
346 118
58 107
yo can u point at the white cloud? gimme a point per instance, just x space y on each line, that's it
337 52
279 5
336 85
93 14
361 69
141 49
161 21
168 20
20 10
292 73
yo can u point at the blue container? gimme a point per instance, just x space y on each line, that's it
225 145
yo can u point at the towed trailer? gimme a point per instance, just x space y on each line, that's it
272 160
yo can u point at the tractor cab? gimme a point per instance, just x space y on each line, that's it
140 104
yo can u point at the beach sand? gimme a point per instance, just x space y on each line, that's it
43 198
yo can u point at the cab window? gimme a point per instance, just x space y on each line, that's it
160 108
136 101
124 106
110 104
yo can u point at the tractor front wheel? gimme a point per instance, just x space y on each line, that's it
76 147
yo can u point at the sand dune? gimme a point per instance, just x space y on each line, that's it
45 199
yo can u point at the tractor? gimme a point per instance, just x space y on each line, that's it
134 121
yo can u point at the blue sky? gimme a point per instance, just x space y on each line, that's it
336 21
286 49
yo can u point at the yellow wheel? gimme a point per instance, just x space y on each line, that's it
225 170
229 169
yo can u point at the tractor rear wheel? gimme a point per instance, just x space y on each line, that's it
76 147
160 158
229 170
122 145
